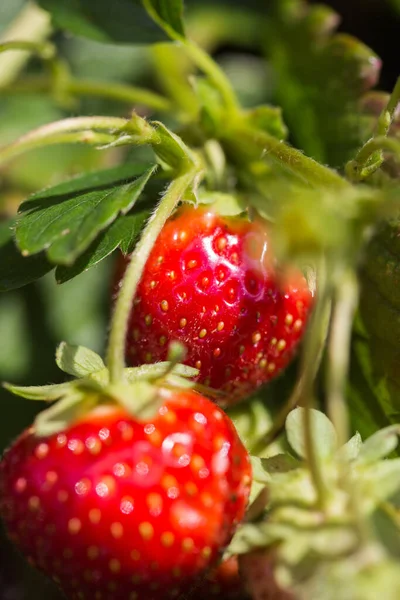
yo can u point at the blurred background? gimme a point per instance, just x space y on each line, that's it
35 318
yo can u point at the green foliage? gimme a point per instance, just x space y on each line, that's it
124 22
64 221
314 543
321 78
17 270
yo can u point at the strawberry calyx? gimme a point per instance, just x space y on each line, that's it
284 517
139 392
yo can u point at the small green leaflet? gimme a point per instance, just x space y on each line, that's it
15 269
168 14
123 233
66 224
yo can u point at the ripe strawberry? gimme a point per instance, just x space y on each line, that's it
222 583
117 508
211 282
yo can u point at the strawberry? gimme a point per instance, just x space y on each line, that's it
212 283
114 507
222 583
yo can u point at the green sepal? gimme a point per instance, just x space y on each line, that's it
379 445
227 205
171 150
78 360
157 370
323 433
47 393
351 449
140 399
63 413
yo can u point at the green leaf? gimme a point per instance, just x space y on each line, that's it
323 433
125 21
17 270
78 360
320 79
168 14
123 234
66 224
40 392
91 181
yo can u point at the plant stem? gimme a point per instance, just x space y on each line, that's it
386 118
358 169
346 298
310 362
133 273
76 129
295 162
87 87
42 49
32 25
208 65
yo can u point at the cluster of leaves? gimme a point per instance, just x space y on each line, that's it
344 547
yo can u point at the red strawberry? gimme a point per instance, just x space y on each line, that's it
222 583
117 508
211 282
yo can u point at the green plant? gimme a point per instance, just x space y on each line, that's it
324 513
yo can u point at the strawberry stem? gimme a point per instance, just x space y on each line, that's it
370 156
310 362
312 353
294 161
133 273
345 304
103 89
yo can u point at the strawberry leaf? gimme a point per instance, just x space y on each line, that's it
78 360
17 270
168 14
123 234
125 21
65 224
321 79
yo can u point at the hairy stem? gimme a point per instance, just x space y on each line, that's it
33 26
76 129
214 72
310 362
370 156
346 297
104 89
359 169
133 274
295 162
